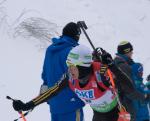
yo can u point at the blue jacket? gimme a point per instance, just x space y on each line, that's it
141 107
53 69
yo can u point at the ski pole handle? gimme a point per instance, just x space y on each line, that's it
9 98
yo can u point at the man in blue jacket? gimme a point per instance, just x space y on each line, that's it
65 106
63 102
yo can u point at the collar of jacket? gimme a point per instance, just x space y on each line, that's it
125 58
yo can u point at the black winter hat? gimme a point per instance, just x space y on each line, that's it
124 47
72 30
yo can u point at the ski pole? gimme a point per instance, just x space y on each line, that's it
22 115
83 26
20 112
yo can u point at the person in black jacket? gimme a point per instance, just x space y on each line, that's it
124 61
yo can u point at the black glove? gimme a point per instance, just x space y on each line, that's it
101 55
18 105
106 58
97 54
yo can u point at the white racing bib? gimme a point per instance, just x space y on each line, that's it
103 104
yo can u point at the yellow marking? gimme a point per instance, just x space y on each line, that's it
123 42
44 94
41 99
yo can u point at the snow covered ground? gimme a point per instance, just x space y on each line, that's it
21 57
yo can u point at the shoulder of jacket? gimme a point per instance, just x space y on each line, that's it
119 60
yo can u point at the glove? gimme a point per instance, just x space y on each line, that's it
106 58
18 105
97 54
101 55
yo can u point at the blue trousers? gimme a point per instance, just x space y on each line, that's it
71 116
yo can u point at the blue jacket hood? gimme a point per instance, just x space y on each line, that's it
62 42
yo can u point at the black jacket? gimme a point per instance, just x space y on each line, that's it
125 85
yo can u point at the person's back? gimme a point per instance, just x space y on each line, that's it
64 104
55 66
124 61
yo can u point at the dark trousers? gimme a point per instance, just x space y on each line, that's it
109 116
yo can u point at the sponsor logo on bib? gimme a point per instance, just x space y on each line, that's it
85 94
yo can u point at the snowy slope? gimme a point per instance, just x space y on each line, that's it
109 21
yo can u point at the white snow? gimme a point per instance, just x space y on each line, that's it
21 61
